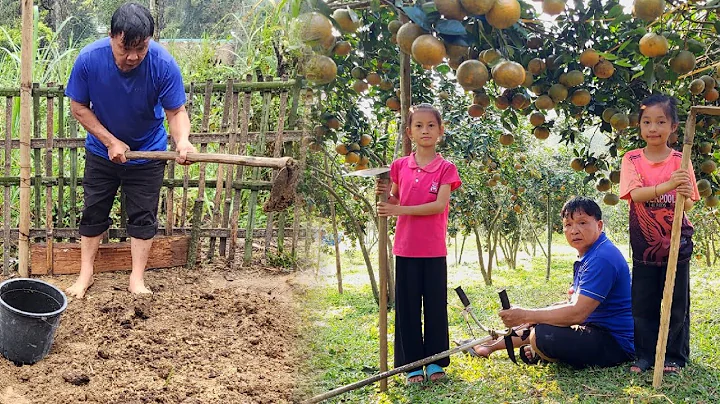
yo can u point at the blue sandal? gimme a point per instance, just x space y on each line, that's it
415 374
433 369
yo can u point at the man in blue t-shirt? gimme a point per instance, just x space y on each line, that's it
121 88
595 326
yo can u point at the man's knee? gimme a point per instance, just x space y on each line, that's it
540 348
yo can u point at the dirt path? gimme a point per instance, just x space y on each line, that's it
205 336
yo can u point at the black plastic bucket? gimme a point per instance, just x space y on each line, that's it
30 311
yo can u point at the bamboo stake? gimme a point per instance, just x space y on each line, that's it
25 127
7 216
405 97
48 189
219 189
232 148
303 157
252 161
404 368
186 176
383 269
277 152
666 304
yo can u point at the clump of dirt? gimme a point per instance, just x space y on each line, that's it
205 336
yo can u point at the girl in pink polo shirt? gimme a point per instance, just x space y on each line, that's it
650 179
419 197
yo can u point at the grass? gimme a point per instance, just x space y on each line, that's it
342 343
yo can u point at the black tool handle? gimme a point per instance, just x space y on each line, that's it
504 301
463 297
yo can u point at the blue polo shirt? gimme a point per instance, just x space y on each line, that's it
129 104
603 274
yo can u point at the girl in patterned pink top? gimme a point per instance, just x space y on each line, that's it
419 197
650 179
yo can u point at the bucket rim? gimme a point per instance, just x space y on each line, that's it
57 312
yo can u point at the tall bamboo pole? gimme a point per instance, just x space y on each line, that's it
383 269
666 304
25 128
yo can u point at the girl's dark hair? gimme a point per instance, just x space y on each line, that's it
423 107
135 21
581 204
668 103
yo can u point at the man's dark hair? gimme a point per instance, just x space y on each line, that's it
581 204
135 21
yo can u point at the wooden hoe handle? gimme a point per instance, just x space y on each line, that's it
252 161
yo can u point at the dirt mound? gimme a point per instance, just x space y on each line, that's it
204 337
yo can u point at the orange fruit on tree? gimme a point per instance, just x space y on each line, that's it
577 164
536 66
633 120
529 80
506 139
365 140
394 26
711 201
541 132
489 56
320 69
619 121
472 75
615 176
683 62
553 7
451 9
534 42
503 14
481 99
708 166
352 158
407 34
314 28
360 86
455 51
520 101
608 113
580 97
386 85
697 86
508 74
711 95
574 78
373 79
603 185
648 10
558 92
428 50
544 102
604 69
393 103
332 123
653 45
502 102
342 48
611 199
476 110
347 19
589 57
354 146
341 149
537 119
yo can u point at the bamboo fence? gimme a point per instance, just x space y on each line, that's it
216 204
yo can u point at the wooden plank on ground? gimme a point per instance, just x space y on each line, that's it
166 252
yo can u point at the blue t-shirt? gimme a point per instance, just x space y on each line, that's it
130 105
603 274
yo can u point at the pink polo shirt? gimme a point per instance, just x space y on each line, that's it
422 236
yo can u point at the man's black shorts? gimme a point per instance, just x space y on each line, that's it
580 345
141 184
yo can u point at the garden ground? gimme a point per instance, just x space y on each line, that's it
207 335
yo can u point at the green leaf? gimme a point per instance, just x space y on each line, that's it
649 75
624 63
608 56
417 16
624 45
620 19
450 27
444 69
615 11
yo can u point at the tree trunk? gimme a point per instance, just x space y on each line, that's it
549 240
487 280
462 248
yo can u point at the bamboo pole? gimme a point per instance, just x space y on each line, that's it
25 128
383 269
217 200
666 304
277 152
404 368
7 216
252 161
48 189
405 97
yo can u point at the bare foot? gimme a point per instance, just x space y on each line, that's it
137 287
415 379
482 350
78 289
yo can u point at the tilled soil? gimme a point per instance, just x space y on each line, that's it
205 336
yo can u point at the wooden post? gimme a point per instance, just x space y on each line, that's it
666 304
7 216
26 63
549 241
405 98
383 269
48 189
